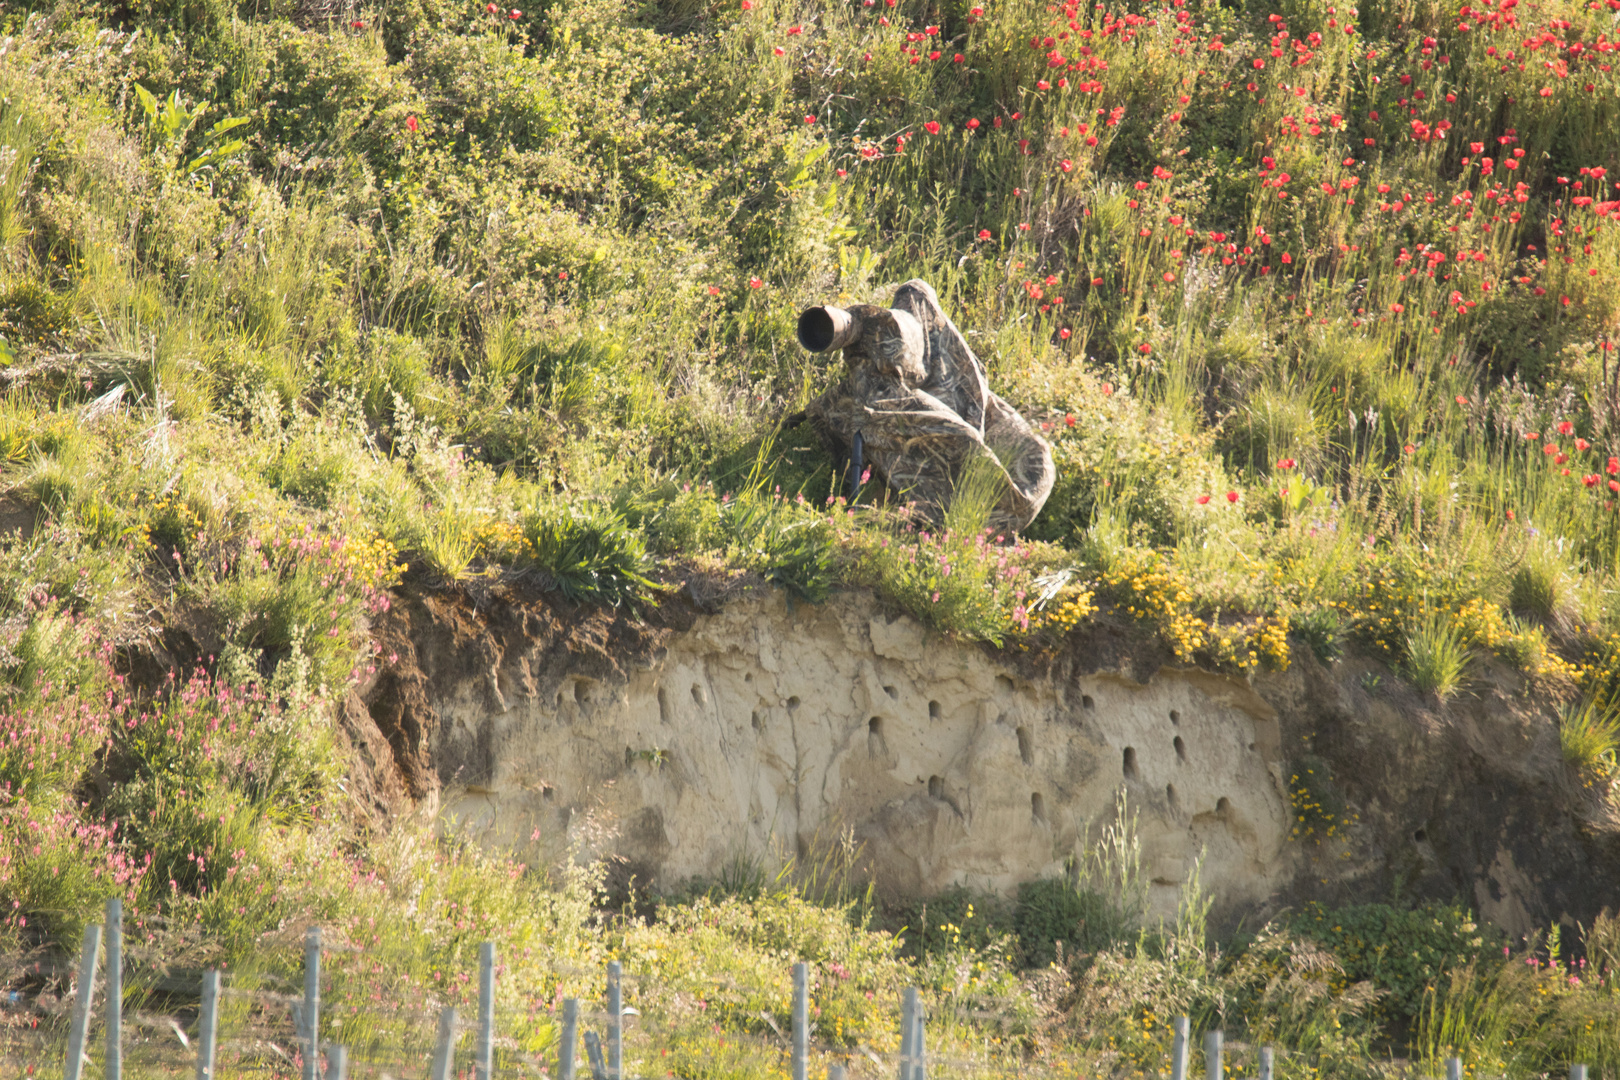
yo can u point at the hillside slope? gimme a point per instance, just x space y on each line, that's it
317 315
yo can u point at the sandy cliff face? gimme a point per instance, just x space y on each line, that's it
762 728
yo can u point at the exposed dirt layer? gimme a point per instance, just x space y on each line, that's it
709 730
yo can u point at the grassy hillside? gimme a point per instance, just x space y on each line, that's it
304 300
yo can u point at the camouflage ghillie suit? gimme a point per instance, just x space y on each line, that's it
917 397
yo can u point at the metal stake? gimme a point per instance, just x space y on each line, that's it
115 988
208 1025
81 1006
801 1021
593 1055
312 1004
1265 1063
444 1048
919 1046
1212 1055
337 1063
615 1051
1178 1050
484 1063
909 1008
567 1049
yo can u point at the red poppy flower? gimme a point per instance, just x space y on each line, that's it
1064 334
1286 463
410 123
1144 348
932 127
984 234
1068 418
1231 496
755 283
1590 479
1203 500
1566 428
514 15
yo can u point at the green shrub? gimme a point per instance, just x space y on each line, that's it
32 315
589 552
1436 656
57 868
1322 630
291 594
790 546
1539 586
678 519
1053 912
1284 988
1319 809
1589 735
1401 952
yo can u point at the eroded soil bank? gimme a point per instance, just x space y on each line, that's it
760 728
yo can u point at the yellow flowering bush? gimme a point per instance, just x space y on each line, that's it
1145 586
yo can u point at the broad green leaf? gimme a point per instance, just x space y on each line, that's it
148 103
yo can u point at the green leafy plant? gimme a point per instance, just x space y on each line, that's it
792 547
1437 659
589 551
1589 735
1402 952
1322 630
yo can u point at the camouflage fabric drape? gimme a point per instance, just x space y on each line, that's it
918 397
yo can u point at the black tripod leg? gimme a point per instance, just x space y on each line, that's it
856 467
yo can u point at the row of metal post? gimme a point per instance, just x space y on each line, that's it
913 1051
1214 1067
308 1012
